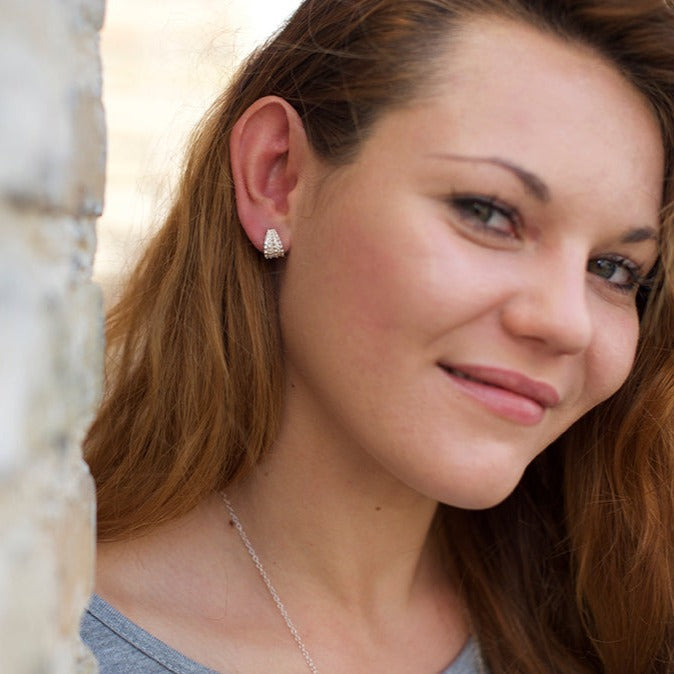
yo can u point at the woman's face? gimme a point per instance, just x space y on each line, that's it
462 293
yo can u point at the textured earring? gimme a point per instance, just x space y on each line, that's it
273 246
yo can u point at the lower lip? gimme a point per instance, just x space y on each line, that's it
504 403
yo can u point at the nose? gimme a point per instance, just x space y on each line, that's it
551 307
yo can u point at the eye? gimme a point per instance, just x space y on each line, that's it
621 273
487 214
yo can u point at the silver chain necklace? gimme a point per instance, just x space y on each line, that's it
277 600
272 590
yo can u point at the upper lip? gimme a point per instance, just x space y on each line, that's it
544 394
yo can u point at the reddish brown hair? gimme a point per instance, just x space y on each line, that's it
573 572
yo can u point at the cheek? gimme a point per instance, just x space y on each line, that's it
336 297
348 274
612 356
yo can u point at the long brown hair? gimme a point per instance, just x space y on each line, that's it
573 572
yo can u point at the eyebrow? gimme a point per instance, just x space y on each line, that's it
639 234
532 183
537 187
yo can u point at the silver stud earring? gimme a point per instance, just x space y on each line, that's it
273 246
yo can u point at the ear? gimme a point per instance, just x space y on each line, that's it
268 146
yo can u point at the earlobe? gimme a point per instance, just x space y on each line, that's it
267 147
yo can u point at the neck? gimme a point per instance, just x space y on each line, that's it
339 527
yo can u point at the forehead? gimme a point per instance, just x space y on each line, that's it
555 107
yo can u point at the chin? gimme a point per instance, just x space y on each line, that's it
483 501
482 493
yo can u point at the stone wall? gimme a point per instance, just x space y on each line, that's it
52 158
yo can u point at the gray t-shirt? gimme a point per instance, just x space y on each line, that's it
121 647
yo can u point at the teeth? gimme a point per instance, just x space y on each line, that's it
462 375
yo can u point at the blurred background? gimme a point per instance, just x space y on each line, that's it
164 61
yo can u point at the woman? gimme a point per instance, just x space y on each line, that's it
402 351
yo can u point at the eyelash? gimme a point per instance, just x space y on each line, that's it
636 278
466 206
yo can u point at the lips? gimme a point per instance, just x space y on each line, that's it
508 393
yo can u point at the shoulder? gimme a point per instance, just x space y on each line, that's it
122 647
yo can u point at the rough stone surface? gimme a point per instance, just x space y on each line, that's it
52 158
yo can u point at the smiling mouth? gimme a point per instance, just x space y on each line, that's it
508 394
